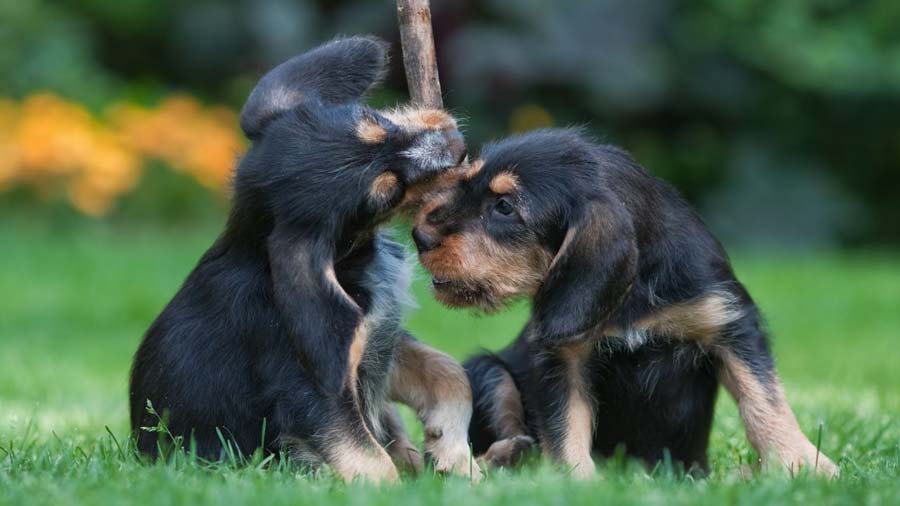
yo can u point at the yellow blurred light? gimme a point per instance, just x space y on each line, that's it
48 142
529 117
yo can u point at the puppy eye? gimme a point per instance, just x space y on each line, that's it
504 207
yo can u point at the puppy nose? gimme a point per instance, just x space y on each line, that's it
424 242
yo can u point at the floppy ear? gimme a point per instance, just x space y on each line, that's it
338 71
590 275
318 315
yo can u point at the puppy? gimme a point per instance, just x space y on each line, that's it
288 330
636 313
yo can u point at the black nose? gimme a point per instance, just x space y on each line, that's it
424 242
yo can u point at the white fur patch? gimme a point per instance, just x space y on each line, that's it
430 151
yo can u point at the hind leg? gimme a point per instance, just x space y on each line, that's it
327 429
498 430
398 445
747 371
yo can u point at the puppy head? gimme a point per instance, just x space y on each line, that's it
534 217
323 161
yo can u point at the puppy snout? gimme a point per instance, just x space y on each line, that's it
424 241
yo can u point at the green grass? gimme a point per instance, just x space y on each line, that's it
75 300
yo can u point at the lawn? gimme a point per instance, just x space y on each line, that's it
75 299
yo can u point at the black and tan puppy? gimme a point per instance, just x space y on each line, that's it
288 330
637 315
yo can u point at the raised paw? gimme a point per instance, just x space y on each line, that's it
507 452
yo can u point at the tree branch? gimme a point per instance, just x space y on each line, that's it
419 59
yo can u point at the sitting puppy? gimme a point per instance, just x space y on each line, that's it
288 330
636 316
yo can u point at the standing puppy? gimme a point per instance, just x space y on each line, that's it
288 330
636 318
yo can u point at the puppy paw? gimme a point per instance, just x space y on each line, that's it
583 470
458 462
805 458
371 465
507 452
407 458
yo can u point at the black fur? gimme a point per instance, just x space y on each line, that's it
624 245
259 333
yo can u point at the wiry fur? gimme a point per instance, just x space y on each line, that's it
290 322
636 312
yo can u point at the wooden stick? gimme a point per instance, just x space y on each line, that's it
419 59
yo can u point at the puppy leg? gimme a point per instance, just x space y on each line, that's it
322 429
749 376
499 431
565 407
436 386
402 451
360 454
329 337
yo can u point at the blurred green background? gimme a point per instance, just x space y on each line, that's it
780 121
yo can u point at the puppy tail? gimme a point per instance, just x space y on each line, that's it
338 71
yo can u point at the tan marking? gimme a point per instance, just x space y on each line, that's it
504 183
430 192
415 119
473 169
436 386
347 458
428 204
351 461
699 320
507 414
507 419
331 279
500 270
576 451
370 132
771 425
384 186
402 451
355 355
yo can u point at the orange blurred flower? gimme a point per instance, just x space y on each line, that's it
47 142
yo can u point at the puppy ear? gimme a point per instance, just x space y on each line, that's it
338 71
590 275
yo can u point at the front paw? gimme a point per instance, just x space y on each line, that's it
507 452
458 462
806 458
407 459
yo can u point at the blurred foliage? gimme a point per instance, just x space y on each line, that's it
781 120
55 147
